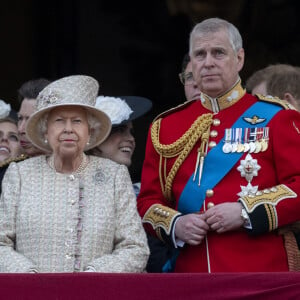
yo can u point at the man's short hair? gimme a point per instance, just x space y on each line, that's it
30 89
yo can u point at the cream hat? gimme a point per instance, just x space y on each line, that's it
78 90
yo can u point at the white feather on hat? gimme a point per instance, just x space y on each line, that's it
5 109
124 108
116 108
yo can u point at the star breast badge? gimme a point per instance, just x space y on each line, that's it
248 169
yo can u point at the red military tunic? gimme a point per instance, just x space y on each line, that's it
239 250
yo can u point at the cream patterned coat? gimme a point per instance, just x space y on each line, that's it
52 222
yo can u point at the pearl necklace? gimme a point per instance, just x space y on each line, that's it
81 167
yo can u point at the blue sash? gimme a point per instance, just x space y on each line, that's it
217 164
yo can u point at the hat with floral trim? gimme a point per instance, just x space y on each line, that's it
123 109
75 90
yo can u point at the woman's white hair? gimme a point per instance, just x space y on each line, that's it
93 122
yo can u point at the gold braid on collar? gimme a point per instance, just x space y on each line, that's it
181 147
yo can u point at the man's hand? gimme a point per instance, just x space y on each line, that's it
191 229
224 217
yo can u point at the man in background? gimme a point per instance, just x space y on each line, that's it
27 95
191 90
280 80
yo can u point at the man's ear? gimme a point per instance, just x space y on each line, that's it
289 98
292 100
240 59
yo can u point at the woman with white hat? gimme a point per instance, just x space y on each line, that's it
119 146
68 211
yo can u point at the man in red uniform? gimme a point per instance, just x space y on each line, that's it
221 175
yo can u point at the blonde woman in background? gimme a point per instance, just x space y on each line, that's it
9 139
10 148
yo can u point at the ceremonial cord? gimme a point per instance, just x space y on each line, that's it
181 147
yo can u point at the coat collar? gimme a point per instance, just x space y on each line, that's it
226 100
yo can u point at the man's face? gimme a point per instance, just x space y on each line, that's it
215 64
26 110
191 89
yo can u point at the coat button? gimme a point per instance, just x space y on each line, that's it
216 122
213 133
209 193
212 144
210 205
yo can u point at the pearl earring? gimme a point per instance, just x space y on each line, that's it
46 141
88 143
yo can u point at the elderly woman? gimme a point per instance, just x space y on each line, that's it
67 211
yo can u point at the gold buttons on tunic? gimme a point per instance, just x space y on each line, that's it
210 205
209 193
161 212
213 133
212 144
216 122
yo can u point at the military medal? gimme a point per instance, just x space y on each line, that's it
252 138
264 141
252 147
246 147
235 139
257 147
227 147
246 144
240 146
234 147
259 135
264 145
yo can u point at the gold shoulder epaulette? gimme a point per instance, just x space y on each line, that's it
275 100
173 109
15 159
